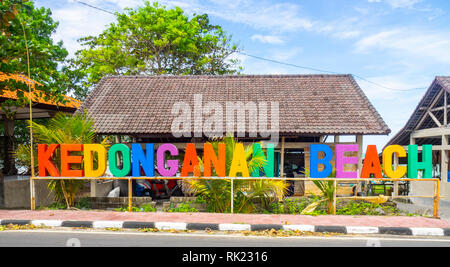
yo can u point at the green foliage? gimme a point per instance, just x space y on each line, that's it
143 208
47 59
182 207
290 206
246 192
154 40
9 9
200 200
365 208
326 187
296 206
57 206
82 204
62 129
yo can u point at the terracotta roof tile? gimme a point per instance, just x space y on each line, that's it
37 98
309 104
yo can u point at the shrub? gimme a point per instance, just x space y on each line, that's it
182 207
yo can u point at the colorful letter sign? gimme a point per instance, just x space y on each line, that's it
371 163
137 160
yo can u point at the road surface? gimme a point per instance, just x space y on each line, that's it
52 238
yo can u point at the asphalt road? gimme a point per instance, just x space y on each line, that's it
38 238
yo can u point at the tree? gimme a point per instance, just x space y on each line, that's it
8 12
28 51
245 192
23 28
154 40
62 129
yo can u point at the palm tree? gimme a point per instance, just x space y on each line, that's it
62 129
246 192
326 188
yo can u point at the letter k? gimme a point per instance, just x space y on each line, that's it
45 154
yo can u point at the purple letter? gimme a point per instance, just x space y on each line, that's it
172 164
341 160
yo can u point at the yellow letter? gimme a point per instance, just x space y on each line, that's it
239 164
89 160
387 161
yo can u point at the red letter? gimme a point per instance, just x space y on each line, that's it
190 163
44 160
371 163
66 160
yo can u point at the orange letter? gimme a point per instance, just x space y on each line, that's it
44 162
66 160
190 163
210 157
371 163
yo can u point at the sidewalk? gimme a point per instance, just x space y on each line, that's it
213 221
425 206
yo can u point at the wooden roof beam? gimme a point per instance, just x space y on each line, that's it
431 132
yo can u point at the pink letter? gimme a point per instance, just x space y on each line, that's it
172 164
341 160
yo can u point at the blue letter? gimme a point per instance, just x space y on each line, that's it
139 159
315 161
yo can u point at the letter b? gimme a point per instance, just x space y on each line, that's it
325 161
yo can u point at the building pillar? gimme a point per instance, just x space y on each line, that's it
2 195
412 141
444 159
282 157
336 139
396 183
9 165
359 142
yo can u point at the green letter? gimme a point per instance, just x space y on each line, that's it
269 165
126 161
427 161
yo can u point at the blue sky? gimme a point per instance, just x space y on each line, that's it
400 44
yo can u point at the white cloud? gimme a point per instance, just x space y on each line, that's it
285 55
402 3
398 3
77 21
392 88
418 44
265 15
395 115
347 34
267 39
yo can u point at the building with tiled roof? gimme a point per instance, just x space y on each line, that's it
429 124
309 105
41 108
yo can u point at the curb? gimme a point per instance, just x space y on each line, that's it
411 231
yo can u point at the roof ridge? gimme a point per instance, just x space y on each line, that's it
370 105
228 76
